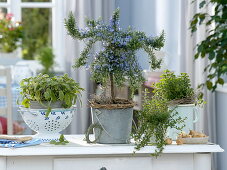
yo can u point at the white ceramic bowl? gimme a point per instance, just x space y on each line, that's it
47 128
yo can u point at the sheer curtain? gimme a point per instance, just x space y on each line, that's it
83 9
195 68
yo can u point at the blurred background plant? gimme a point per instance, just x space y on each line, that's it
11 32
45 57
37 27
37 30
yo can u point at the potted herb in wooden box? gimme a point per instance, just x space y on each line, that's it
114 65
48 104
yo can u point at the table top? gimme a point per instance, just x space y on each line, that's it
79 147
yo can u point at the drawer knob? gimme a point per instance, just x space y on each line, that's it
103 168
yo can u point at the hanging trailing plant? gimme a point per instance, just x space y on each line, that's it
153 121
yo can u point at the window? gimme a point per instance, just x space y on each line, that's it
37 24
42 22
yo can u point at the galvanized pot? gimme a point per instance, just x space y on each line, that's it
111 126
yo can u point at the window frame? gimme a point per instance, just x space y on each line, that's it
15 7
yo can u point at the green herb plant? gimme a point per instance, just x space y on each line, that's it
45 57
117 62
177 89
153 121
37 25
43 88
214 47
61 141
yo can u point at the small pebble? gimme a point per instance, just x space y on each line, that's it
179 142
169 141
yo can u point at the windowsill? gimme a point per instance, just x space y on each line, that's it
222 89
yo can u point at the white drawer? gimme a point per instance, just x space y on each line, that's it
110 163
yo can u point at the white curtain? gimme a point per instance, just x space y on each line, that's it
83 9
174 18
195 68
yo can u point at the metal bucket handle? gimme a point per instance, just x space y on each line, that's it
100 126
196 112
89 130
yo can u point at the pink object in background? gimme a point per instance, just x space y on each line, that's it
9 16
151 78
17 128
151 81
1 130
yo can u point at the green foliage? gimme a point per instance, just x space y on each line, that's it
51 89
214 47
173 87
62 141
153 121
46 58
37 26
116 62
10 34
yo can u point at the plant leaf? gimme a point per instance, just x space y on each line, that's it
61 95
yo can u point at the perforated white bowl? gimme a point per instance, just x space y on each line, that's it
47 128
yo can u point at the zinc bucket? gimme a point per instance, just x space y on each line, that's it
111 126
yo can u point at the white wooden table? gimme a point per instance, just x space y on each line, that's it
78 155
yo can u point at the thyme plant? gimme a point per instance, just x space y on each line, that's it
176 89
117 62
153 121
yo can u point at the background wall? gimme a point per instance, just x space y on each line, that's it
153 16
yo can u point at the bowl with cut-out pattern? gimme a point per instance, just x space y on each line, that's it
47 127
